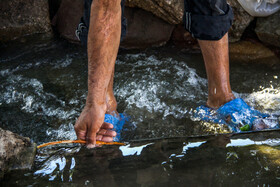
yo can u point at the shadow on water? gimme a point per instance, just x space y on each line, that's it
43 89
221 160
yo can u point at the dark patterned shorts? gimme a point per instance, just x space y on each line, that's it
207 19
204 19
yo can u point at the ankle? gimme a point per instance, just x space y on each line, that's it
215 101
111 104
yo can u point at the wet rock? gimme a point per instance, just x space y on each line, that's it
268 29
168 10
23 17
241 21
16 152
67 18
182 38
145 30
252 52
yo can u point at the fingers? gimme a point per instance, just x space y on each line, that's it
94 133
91 136
104 138
105 132
80 132
106 125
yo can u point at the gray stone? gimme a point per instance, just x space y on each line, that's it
23 17
145 30
268 29
241 21
16 152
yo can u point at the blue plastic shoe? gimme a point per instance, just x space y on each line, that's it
236 114
117 122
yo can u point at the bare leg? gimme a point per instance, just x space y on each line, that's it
216 59
110 98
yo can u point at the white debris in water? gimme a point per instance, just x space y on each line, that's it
268 99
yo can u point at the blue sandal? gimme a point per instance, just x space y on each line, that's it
236 114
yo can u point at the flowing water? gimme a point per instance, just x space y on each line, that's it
43 88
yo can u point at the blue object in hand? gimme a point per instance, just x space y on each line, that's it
117 122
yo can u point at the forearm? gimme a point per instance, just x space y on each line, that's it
103 43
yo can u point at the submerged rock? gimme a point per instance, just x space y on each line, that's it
23 17
268 29
16 152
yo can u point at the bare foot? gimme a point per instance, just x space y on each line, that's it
111 104
217 101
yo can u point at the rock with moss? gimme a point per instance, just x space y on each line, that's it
16 152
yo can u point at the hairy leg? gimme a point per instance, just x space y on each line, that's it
216 60
110 98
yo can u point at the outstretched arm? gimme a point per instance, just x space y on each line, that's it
103 43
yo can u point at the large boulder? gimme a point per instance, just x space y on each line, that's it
168 10
268 29
23 17
67 18
16 152
145 30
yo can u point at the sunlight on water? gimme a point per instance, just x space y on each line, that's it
268 99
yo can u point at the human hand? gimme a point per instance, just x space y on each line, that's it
91 127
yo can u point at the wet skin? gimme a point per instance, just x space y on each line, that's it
216 60
103 44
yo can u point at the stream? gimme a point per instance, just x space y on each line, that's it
43 88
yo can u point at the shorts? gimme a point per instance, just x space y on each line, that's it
207 19
204 19
83 27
